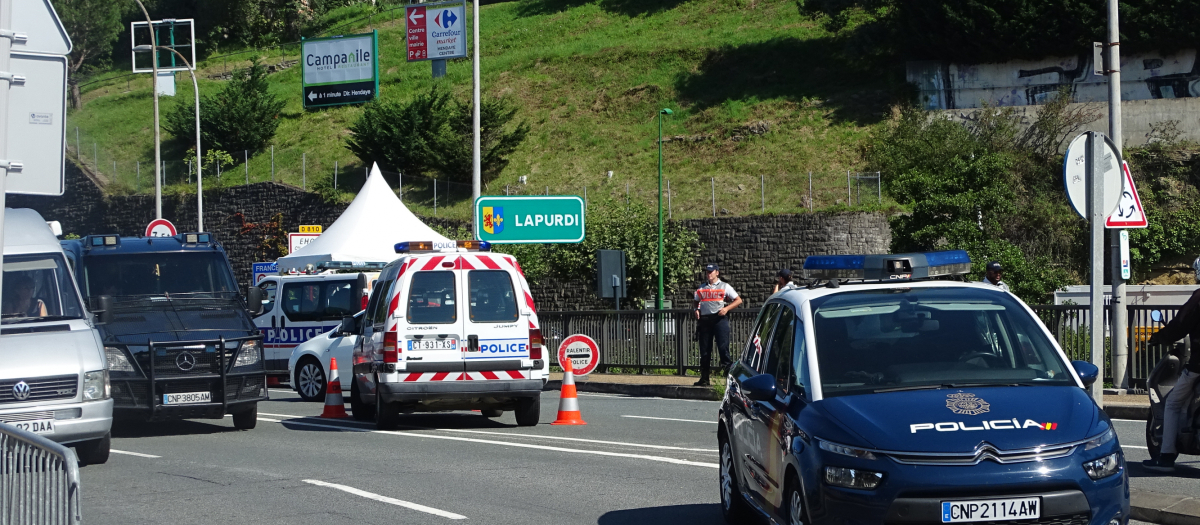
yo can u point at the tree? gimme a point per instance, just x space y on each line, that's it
242 116
93 26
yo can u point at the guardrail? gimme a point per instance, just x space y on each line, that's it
39 480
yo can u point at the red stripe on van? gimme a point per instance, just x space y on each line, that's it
515 374
464 377
433 263
413 377
463 264
488 262
529 301
440 376
488 374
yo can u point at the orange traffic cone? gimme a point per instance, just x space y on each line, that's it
568 402
335 406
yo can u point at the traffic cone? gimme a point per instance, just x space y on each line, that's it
335 406
272 381
568 402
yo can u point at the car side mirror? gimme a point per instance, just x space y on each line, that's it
760 387
1087 372
104 305
1156 316
254 301
348 326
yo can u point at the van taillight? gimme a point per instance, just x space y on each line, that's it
391 352
535 343
365 300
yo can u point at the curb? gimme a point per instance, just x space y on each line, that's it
1122 411
668 391
1163 508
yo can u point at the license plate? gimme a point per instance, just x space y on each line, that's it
433 344
187 399
37 426
991 510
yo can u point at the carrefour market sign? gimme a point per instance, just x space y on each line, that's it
523 220
340 70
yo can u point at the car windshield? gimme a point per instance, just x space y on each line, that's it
199 275
38 287
914 338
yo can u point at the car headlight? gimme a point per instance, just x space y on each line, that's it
117 362
845 450
1103 467
248 354
96 386
1103 438
852 478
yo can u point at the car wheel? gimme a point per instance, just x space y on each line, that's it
387 415
361 411
94 452
492 413
1154 432
733 504
529 410
794 502
310 379
246 419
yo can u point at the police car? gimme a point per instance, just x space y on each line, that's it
877 395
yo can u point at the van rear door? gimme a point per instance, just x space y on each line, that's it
496 339
431 337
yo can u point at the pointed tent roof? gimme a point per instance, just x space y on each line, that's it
367 231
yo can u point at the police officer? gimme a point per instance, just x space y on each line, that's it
782 280
710 302
994 273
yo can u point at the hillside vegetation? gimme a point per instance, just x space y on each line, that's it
760 90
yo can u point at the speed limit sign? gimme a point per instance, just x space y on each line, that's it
583 352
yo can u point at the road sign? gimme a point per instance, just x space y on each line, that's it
45 34
583 352
1075 175
37 124
436 31
1124 245
177 34
523 220
262 269
161 228
310 228
340 70
1129 212
300 240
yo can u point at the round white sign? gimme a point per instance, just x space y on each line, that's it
160 228
1075 176
583 352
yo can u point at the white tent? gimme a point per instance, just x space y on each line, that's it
367 231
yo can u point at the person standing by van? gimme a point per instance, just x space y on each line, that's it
711 309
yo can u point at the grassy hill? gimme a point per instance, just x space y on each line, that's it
589 76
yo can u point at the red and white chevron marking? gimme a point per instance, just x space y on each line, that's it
486 375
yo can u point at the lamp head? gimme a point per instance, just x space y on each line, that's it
667 111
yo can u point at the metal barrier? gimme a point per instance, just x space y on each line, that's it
39 480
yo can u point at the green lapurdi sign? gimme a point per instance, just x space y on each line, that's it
524 220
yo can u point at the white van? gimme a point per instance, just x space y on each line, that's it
448 330
53 371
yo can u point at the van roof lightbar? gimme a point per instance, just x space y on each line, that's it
900 266
351 265
96 241
431 246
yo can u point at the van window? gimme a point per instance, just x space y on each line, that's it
378 315
492 297
431 298
196 275
319 300
269 289
36 287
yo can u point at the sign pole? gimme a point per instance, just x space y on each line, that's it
1096 213
5 48
475 156
154 93
1120 350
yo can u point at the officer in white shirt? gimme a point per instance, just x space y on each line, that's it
994 273
710 302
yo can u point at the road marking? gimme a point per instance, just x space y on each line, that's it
1135 446
385 499
268 419
640 398
1129 420
138 454
674 419
661 459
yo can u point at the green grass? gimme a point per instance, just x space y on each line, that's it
589 76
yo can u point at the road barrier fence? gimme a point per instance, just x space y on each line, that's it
39 480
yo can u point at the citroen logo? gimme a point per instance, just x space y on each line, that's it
21 391
186 361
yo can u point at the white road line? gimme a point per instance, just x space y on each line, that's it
536 436
138 454
1134 446
1129 420
268 419
385 499
661 459
643 398
674 419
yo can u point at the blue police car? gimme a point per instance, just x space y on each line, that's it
879 395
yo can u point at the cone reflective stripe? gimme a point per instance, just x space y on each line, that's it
568 403
335 406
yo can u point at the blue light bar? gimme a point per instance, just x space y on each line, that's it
901 266
952 262
834 267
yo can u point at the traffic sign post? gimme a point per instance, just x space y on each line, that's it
161 228
261 270
436 31
1129 213
535 219
300 240
1076 174
583 352
340 70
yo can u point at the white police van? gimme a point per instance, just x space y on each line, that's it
448 329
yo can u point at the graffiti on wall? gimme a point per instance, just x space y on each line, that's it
1144 76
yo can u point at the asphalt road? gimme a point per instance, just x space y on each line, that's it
639 460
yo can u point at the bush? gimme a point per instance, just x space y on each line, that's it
432 134
242 116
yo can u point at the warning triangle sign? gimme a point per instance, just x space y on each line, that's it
1129 214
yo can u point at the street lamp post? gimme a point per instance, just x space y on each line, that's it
157 136
659 305
199 158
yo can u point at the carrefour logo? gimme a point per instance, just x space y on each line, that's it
445 19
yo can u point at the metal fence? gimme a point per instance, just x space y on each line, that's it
39 480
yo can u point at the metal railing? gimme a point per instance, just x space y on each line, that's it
39 480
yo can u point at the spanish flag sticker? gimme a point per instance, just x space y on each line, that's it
1050 426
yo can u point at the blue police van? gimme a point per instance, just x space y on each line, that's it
878 394
177 333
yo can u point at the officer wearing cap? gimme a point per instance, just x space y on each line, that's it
782 279
710 302
993 275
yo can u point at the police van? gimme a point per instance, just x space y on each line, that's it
448 329
877 395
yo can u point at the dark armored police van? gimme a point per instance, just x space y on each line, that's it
178 335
